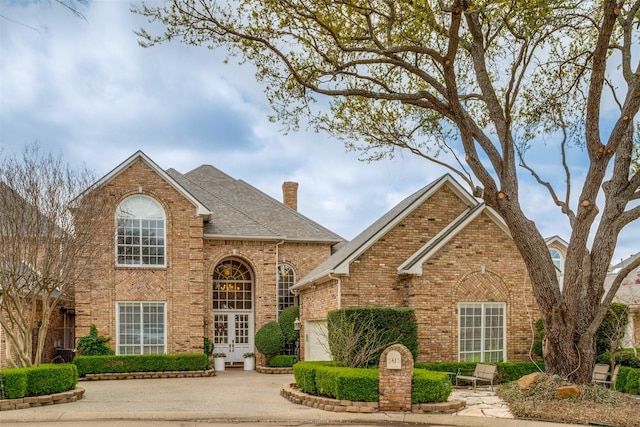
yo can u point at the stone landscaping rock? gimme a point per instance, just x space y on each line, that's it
526 382
567 391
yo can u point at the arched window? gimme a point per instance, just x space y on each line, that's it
286 279
558 262
140 232
232 286
556 257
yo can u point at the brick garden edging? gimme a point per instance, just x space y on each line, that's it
293 394
268 370
147 375
45 400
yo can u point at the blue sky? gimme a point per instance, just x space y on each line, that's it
85 89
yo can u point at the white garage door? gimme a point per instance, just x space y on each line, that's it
316 347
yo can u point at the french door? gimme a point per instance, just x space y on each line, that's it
233 334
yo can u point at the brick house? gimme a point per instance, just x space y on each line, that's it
443 253
193 255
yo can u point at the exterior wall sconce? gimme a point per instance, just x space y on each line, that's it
296 324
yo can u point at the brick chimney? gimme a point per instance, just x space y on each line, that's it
290 194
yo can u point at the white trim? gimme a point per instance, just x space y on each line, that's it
468 199
444 236
200 208
164 310
484 304
164 236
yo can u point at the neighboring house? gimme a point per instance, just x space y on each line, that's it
193 255
628 293
558 251
446 255
15 271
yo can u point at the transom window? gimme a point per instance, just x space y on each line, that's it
232 286
286 279
140 232
141 328
481 335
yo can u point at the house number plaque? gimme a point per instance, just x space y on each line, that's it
394 360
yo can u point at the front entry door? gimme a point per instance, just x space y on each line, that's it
233 335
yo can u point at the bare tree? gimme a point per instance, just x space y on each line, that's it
481 81
45 243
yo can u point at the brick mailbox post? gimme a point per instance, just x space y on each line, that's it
396 373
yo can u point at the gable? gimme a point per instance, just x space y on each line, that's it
456 198
139 156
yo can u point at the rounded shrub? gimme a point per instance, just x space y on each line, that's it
269 339
286 320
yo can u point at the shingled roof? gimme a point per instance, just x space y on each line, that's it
239 210
339 262
233 208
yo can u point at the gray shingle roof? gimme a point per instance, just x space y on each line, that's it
240 210
339 261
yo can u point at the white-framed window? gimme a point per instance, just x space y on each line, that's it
232 286
481 332
140 232
286 279
141 328
558 262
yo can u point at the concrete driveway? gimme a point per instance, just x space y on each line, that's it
232 397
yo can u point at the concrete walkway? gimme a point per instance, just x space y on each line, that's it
236 396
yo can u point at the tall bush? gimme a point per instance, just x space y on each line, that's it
286 320
357 336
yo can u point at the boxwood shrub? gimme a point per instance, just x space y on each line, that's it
14 382
507 371
140 363
39 380
355 384
628 380
392 325
430 386
625 357
49 379
282 361
304 374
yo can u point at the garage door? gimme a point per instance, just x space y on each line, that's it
316 347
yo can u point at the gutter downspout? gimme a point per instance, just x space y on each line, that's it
277 261
339 288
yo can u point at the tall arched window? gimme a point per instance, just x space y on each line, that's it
140 232
286 279
232 286
558 262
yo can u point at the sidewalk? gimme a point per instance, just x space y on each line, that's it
238 396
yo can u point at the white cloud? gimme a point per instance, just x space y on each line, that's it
87 89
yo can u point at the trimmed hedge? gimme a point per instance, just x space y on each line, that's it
15 383
625 357
282 361
430 386
507 371
393 325
362 384
304 374
140 363
628 380
39 380
355 384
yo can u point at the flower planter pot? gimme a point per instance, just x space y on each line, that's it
249 363
218 363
